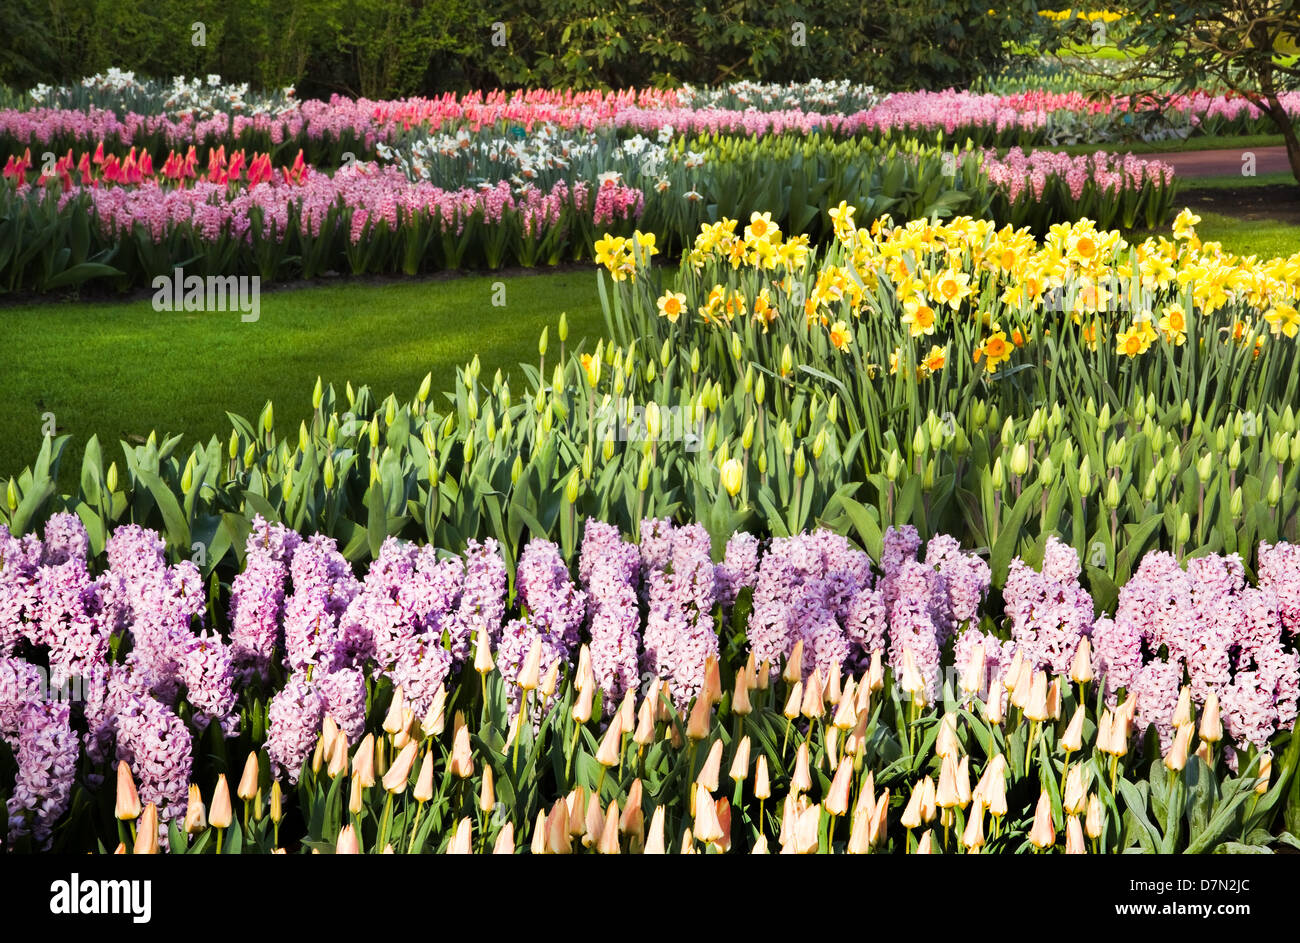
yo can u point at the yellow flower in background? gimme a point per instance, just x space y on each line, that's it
609 250
936 359
761 227
1283 319
918 316
671 305
1185 224
950 287
1134 341
840 336
994 351
1173 324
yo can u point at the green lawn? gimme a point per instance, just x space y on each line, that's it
1265 238
121 369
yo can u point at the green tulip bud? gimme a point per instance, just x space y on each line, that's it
110 480
1205 467
760 388
999 476
762 462
1234 455
665 353
573 488
1281 446
723 454
232 450
1139 410
1184 529
1235 503
557 379
11 494
749 379
607 449
747 437
1008 433
979 413
1288 419
787 360
491 425
713 435
1103 418
619 384
1112 494
317 394
961 444
1019 460
329 473
1116 453
737 348
469 448
800 463
302 436
1221 438
541 342
1186 413
819 444
650 373
250 454
287 487
1035 430
471 405
429 438
1176 459
1149 489
564 326
1090 407
351 394
695 360
1295 448
373 430
505 396
920 441
1047 471
187 476
927 477
1085 476
833 409
422 394
475 367
1274 491
643 476
893 465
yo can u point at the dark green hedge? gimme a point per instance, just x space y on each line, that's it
388 48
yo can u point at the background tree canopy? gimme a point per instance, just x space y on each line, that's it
386 48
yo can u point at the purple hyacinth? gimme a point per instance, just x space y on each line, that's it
157 746
547 593
738 569
1050 612
966 577
679 632
65 540
1156 686
19 559
20 685
898 547
1279 570
482 598
294 723
609 569
914 622
323 587
344 695
210 682
47 763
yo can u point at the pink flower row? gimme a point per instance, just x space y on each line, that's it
1020 171
373 195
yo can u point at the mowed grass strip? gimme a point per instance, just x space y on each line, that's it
121 369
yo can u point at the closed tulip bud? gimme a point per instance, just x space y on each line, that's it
462 841
1265 772
529 673
973 836
1072 739
1112 494
1020 460
801 779
110 481
435 720
733 476
549 680
146 836
912 817
1274 492
997 476
1095 823
462 758
800 463
1074 842
195 815
1183 711
946 742
277 802
610 749
399 773
700 719
1211 723
794 664
794 702
248 782
920 441
221 815
1081 666
923 844
607 843
1043 832
128 799
837 799
1075 800
712 768
1036 707
706 827
632 821
813 703
1176 758
762 785
654 843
